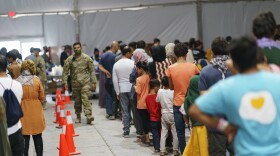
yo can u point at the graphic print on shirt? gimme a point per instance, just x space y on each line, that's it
258 106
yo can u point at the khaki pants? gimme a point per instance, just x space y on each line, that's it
167 121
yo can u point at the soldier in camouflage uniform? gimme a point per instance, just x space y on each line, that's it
82 72
41 72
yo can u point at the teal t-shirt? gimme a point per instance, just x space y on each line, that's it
251 102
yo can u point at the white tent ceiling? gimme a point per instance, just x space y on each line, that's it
31 6
39 6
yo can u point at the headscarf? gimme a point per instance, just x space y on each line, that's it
26 78
28 71
158 53
139 55
169 49
219 61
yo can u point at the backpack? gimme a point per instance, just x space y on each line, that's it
13 108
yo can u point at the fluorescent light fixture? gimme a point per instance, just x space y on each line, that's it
92 11
63 13
105 10
116 9
135 8
51 13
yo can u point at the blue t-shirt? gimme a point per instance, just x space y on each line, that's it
251 102
210 75
107 61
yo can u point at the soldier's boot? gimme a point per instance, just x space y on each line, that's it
90 119
78 119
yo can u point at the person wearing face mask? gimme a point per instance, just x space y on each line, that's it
81 69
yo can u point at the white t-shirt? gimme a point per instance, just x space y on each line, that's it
17 89
121 72
165 98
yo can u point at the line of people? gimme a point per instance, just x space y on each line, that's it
138 83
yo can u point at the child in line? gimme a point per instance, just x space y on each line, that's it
198 143
142 91
165 98
154 110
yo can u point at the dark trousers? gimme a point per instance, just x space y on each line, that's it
218 144
180 128
17 143
136 117
145 119
111 100
155 129
69 84
38 143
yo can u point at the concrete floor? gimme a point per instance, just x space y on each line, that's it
103 138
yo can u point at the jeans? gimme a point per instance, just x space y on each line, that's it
155 129
111 102
180 127
136 117
126 107
17 143
38 142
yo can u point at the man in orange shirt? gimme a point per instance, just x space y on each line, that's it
179 75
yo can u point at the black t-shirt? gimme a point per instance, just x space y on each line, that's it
63 57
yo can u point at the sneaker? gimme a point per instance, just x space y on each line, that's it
112 117
157 150
163 153
89 120
107 116
126 134
176 153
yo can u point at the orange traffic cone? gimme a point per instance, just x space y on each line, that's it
58 91
57 114
70 123
59 99
63 132
63 148
67 97
61 116
70 142
59 96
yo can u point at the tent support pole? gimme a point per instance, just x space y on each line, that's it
199 19
77 26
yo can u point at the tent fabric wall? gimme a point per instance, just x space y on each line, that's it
167 23
234 19
21 27
59 30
